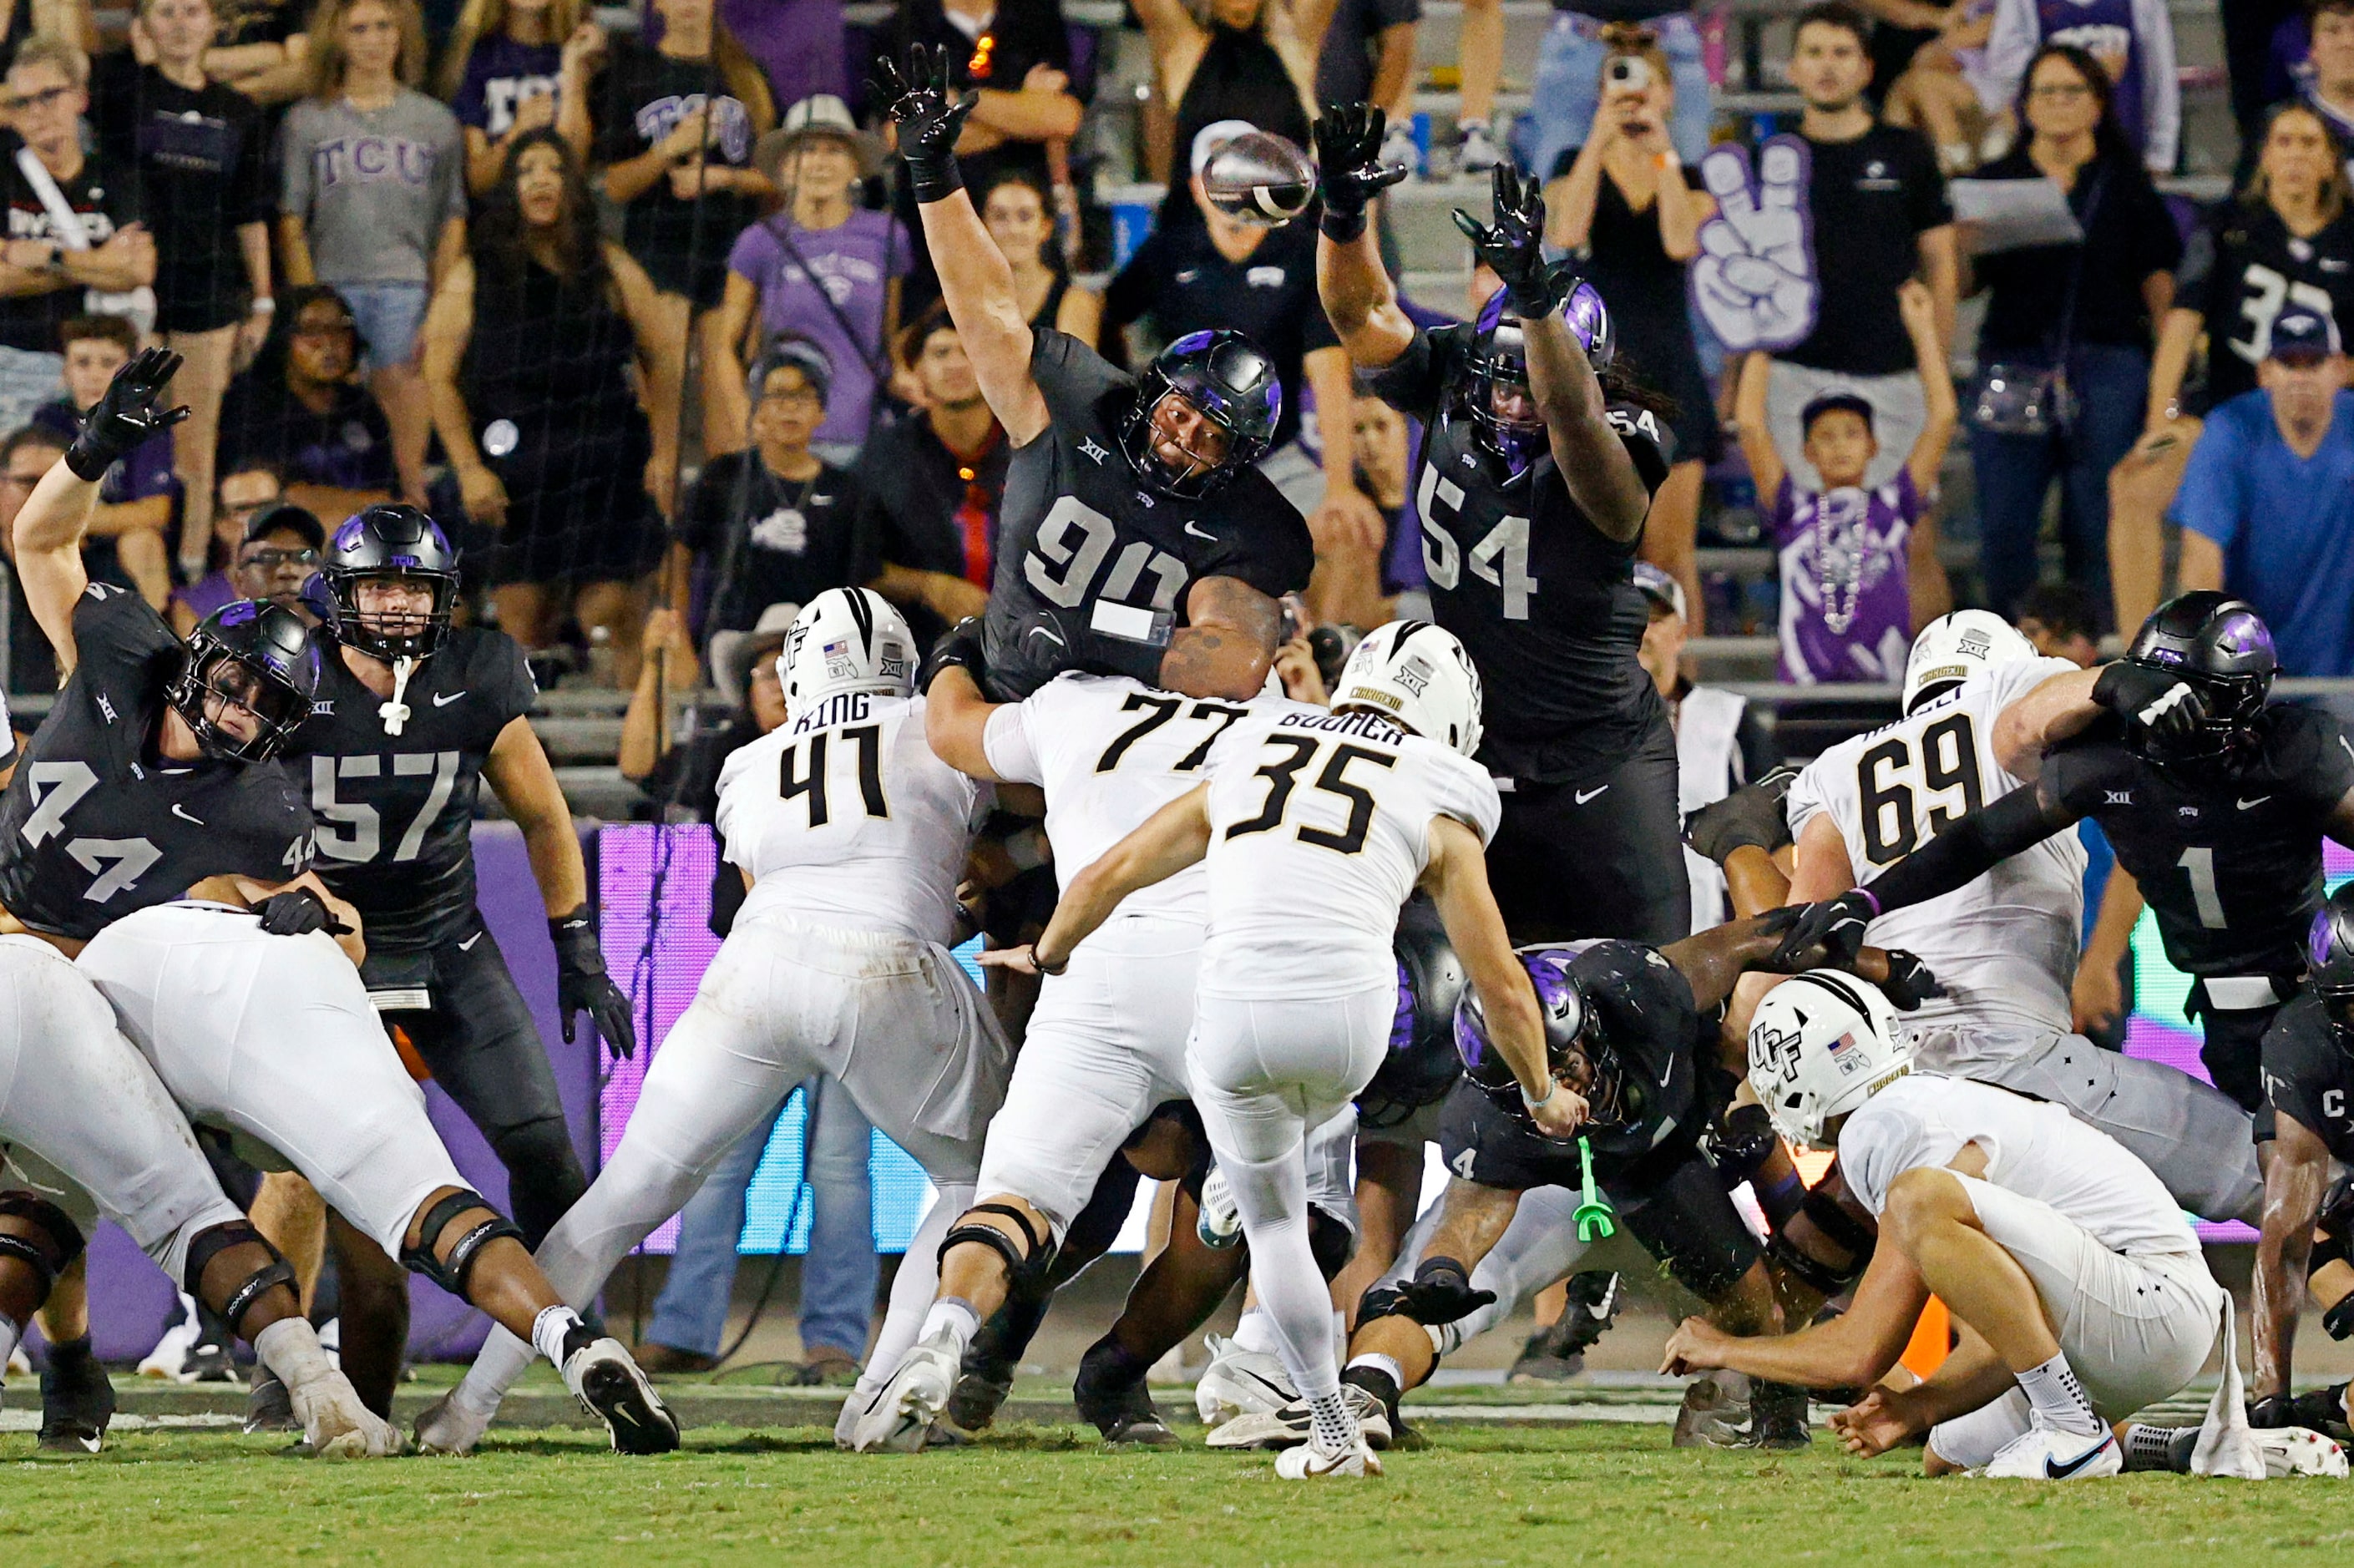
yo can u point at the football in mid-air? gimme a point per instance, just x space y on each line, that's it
1259 178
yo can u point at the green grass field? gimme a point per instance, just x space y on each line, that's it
1042 1497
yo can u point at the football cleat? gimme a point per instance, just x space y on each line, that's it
77 1403
448 1426
191 1351
2047 1454
336 1426
1777 1417
1119 1407
268 1408
1476 152
1288 1427
2299 1451
1310 1463
1239 1383
900 1414
980 1391
1220 1223
1710 1417
609 1387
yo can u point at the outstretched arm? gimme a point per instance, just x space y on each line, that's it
956 714
2296 1171
1853 1348
2060 707
1229 646
1358 296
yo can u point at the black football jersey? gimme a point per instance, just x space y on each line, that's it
95 826
2230 864
1544 601
1092 567
1644 1010
2310 1076
396 812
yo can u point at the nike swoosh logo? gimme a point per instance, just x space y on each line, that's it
1213 538
1274 1388
2059 1472
184 816
468 945
1041 631
2250 805
1585 795
443 702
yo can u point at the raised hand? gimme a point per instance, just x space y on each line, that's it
125 417
1513 247
929 121
1833 927
1349 169
2169 708
1754 278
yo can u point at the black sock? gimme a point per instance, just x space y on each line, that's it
1375 1382
1108 1364
68 1356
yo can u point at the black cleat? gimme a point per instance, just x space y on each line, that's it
268 1408
77 1401
1120 1407
1558 1353
2323 1410
609 1387
982 1385
1777 1417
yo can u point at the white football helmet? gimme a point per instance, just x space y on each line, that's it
1820 1044
1419 675
846 640
1955 647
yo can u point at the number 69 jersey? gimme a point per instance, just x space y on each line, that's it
2005 944
94 827
844 819
1320 827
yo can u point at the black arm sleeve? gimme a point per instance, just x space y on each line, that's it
1971 847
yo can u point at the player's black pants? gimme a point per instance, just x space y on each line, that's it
2234 1039
1601 858
478 1040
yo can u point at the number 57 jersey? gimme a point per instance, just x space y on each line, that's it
2005 945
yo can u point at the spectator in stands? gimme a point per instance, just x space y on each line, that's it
1930 57
1019 217
207 192
823 268
533 351
1367 57
138 495
1017 55
1878 214
1566 108
514 65
1239 61
2060 620
799 45
2330 90
675 123
244 494
302 411
2132 40
24 456
2267 504
930 487
52 271
263 51
775 524
2078 313
1859 563
1625 205
1222 272
278 554
373 199
2287 239
1385 449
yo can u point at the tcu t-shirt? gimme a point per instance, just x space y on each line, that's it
373 188
500 74
105 197
642 97
815 282
1869 199
1847 603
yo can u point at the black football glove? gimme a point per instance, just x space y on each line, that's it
1349 169
929 121
1513 247
1752 814
298 912
126 417
2169 708
2273 1410
1910 982
1440 1292
961 647
1835 925
583 986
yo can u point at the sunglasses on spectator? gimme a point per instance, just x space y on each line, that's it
17 103
271 560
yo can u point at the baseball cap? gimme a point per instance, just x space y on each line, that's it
1215 135
1660 588
285 514
2302 336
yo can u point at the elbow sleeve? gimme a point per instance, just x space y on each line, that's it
1966 849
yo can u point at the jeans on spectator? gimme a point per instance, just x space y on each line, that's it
28 379
1569 84
838 1274
2111 383
390 316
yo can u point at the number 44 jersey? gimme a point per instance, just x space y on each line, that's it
2005 945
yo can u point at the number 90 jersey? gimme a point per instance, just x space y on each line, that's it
2005 945
1092 567
1320 827
844 819
93 827
1544 602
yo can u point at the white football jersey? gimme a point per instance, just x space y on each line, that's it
2005 945
845 819
1320 827
1109 751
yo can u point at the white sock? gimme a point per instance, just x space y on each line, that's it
11 1331
1386 1365
290 1349
503 1359
548 1330
1255 1331
2058 1398
955 1314
1331 1424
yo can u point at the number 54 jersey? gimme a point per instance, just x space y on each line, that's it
2005 945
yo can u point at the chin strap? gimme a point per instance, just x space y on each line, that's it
395 713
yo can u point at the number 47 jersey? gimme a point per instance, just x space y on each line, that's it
2005 945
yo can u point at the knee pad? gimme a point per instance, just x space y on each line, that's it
211 1244
1023 1264
1329 1241
2338 1321
451 1274
50 1251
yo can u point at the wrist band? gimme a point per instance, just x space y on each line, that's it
1873 899
1341 229
1536 1102
87 465
930 181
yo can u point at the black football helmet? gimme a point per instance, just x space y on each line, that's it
1630 1085
390 541
1421 1064
1499 354
251 654
2221 648
2330 949
1231 384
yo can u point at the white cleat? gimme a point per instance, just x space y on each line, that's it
337 1425
1220 1223
2045 1454
1239 1383
448 1426
1310 1463
2299 1451
1288 1427
900 1414
609 1387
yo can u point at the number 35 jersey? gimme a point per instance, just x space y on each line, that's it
1319 828
1544 602
396 812
1092 567
2005 945
94 826
844 819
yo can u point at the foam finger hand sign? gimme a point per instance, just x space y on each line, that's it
1754 280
